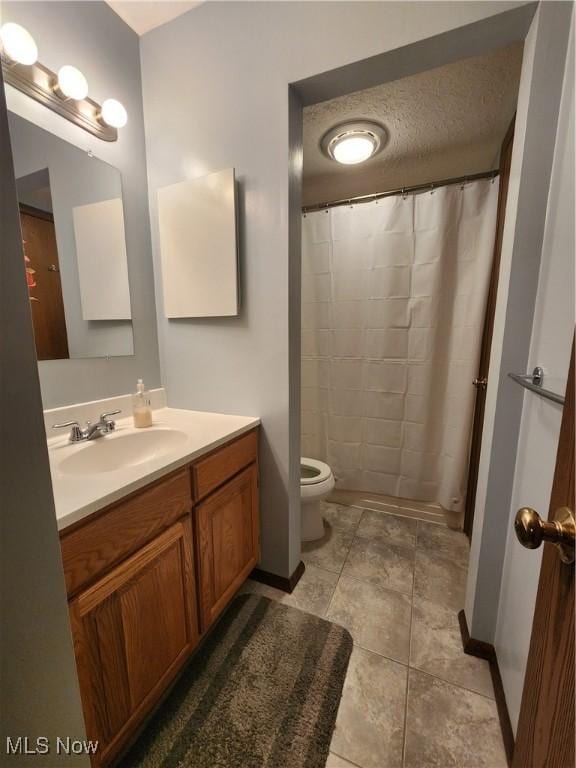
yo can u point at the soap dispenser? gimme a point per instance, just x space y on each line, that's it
141 408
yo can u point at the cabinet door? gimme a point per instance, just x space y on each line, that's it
228 542
132 631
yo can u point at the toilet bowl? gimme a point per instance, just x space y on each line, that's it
316 482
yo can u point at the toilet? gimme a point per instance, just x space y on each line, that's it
316 482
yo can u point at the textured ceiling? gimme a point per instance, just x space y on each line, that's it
444 122
144 15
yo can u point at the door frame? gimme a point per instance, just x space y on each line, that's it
37 212
486 344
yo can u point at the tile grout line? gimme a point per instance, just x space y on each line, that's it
331 752
422 671
354 537
409 652
327 609
343 564
454 685
377 586
381 655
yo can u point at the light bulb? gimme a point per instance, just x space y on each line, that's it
114 114
353 149
18 44
71 83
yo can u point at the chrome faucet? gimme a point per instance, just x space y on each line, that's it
91 431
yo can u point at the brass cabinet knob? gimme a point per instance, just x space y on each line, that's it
531 530
480 383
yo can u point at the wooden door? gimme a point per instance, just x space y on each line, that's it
47 306
133 630
484 364
227 539
546 726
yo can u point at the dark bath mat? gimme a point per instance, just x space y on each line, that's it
263 692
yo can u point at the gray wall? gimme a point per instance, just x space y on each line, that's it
92 37
75 179
38 684
216 95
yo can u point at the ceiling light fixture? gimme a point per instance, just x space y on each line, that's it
355 142
71 83
18 44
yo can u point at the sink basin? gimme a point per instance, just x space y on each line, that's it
113 452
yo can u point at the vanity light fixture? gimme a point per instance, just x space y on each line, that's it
65 93
18 45
113 113
71 83
354 142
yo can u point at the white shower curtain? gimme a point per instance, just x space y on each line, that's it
393 302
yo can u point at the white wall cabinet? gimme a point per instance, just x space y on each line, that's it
198 246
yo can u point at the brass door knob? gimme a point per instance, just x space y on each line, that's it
531 530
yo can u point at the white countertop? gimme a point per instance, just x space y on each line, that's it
78 495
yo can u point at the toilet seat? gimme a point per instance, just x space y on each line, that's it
313 472
316 484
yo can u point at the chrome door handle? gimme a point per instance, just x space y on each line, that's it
531 530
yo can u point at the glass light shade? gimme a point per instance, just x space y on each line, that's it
18 44
72 83
352 149
114 114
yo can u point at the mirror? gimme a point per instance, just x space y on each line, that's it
72 219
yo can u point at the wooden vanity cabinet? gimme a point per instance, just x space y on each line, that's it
133 630
227 542
148 575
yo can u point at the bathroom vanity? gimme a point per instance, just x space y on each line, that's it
148 573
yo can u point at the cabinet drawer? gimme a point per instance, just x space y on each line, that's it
95 546
224 463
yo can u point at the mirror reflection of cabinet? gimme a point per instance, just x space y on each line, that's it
72 219
102 261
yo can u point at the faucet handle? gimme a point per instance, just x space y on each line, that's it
106 423
76 433
104 416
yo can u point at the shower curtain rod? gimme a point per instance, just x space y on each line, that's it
431 185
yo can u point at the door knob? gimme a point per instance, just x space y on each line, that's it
481 383
531 530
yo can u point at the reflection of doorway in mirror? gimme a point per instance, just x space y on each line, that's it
48 310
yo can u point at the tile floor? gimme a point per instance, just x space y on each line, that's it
412 698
